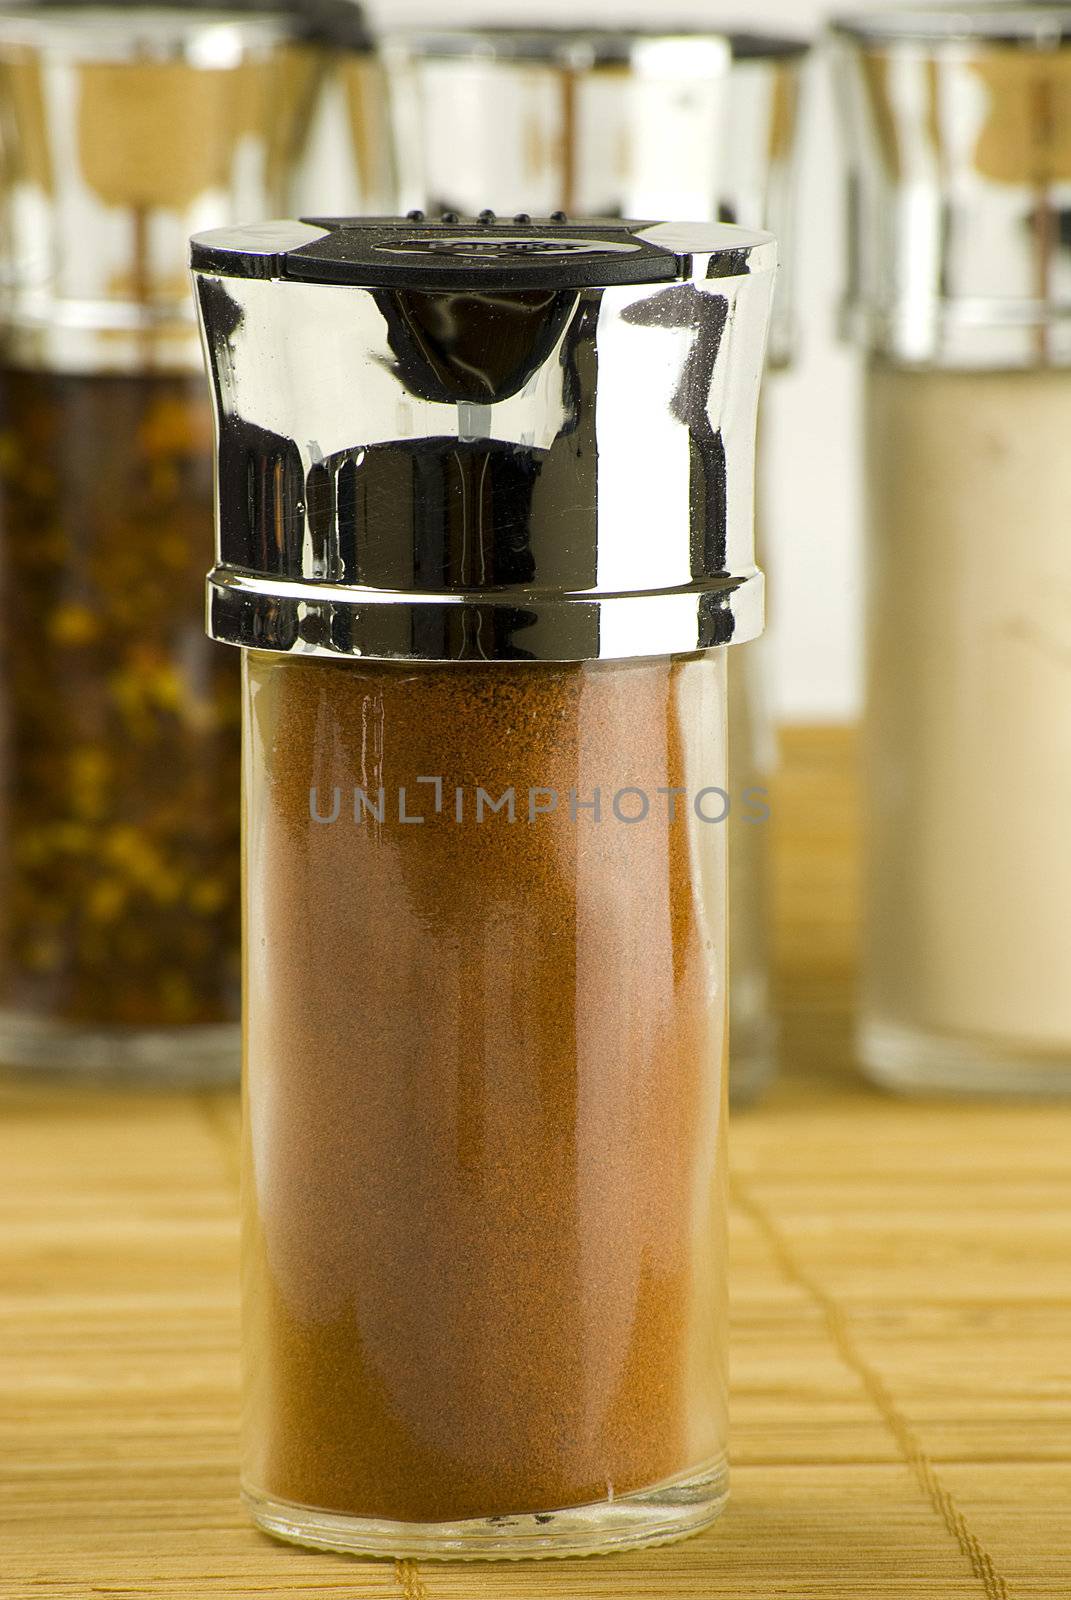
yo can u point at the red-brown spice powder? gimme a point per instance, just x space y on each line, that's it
485 1070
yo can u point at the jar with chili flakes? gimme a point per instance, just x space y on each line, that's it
122 129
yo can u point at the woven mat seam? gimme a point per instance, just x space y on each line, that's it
409 1580
907 1442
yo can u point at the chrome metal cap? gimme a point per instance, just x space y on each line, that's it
957 132
695 123
123 128
474 440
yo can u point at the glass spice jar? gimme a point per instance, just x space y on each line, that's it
628 123
121 129
485 529
958 131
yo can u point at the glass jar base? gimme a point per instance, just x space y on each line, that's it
669 1511
165 1057
912 1060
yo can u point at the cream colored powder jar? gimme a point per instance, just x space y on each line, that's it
960 130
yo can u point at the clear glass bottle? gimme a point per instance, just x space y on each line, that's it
631 122
958 127
499 534
123 129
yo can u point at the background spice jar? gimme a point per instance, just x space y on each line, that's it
122 128
958 137
120 905
499 536
636 121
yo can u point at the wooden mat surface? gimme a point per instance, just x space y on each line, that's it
901 1329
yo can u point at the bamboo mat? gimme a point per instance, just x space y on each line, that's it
901 1329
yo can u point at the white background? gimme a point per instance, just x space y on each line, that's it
811 471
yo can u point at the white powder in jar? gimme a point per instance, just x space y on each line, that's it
968 758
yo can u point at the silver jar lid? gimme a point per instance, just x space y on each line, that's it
123 128
624 122
957 133
476 440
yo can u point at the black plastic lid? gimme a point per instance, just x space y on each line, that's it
414 253
338 22
768 46
1032 25
601 46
